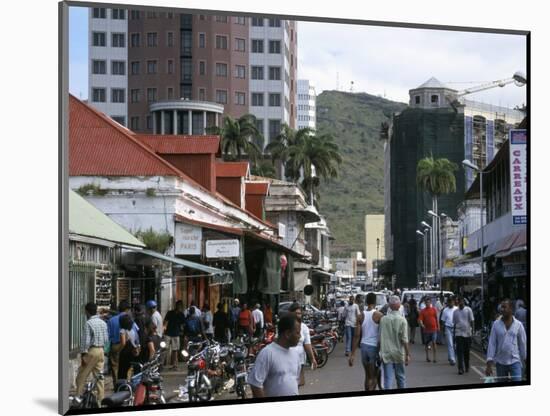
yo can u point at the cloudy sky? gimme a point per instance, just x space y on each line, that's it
379 60
390 61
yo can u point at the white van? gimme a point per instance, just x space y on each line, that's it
419 294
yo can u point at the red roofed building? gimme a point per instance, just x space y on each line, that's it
230 177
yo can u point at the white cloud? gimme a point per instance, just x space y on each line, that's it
394 60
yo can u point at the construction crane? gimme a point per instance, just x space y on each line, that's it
518 78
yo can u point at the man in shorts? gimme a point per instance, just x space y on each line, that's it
429 323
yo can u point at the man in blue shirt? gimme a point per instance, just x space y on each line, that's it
507 345
114 336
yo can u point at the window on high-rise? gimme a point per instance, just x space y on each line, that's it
257 21
274 99
202 67
117 40
274 22
170 66
98 95
240 71
274 46
100 13
134 68
221 70
257 72
257 46
221 19
118 95
202 40
170 93
134 95
186 92
99 66
260 125
149 121
417 99
186 69
186 42
274 129
170 39
134 123
240 44
151 15
135 14
135 40
98 39
118 67
221 96
240 98
151 67
202 94
221 42
240 20
151 95
118 14
120 120
152 39
274 73
257 99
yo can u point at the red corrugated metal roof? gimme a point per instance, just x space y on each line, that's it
257 188
232 169
171 144
100 146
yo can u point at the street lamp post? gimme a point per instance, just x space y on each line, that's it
423 235
470 165
377 258
439 263
431 262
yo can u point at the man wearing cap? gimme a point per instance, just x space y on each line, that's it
156 317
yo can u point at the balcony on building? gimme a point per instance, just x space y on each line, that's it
183 116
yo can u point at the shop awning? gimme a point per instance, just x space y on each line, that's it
216 227
322 275
513 243
210 271
300 279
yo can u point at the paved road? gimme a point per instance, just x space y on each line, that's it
337 376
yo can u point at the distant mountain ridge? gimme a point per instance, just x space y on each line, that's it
354 121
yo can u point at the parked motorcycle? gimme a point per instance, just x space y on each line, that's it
238 368
197 387
320 347
143 388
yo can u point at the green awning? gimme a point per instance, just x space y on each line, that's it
87 221
210 271
270 275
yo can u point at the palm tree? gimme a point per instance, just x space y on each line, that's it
313 152
238 137
264 168
437 177
278 148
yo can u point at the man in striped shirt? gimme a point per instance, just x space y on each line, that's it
94 337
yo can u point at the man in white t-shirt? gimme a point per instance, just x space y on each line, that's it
276 371
258 316
351 313
447 323
304 344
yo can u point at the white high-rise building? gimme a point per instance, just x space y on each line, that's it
306 105
272 74
108 62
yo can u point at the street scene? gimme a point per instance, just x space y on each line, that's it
259 208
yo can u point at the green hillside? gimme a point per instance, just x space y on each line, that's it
354 121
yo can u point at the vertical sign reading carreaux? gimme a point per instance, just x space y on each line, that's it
518 175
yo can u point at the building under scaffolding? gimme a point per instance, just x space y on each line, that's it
436 123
